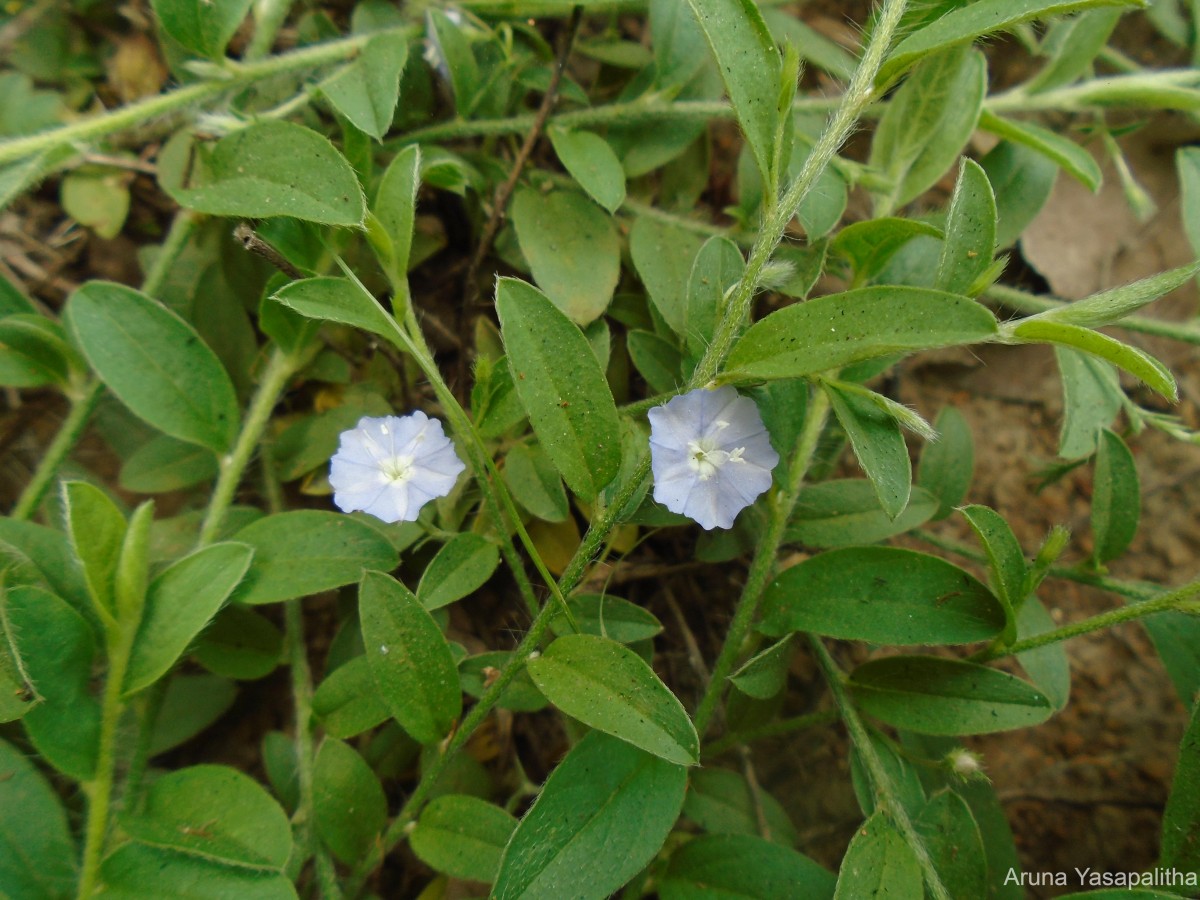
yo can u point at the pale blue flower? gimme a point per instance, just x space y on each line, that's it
711 455
392 466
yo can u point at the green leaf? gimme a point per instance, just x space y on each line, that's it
723 802
349 806
1072 43
462 836
521 695
202 26
970 240
366 90
606 616
879 863
1047 666
664 256
1092 397
742 866
34 351
764 675
241 644
1135 362
868 245
214 812
947 466
165 464
1181 819
534 483
337 300
307 551
842 512
155 363
967 23
1022 179
410 659
1187 164
127 872
1006 560
886 595
572 249
463 565
51 554
592 163
97 200
272 169
1112 305
899 770
839 329
954 843
36 851
192 703
927 124
717 268
562 386
1176 637
57 648
97 530
750 67
1116 498
609 687
656 359
1064 152
347 702
933 695
179 603
878 444
395 210
603 813
455 59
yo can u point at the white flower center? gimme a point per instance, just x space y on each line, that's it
707 460
398 469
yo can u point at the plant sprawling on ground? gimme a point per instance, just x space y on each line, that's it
570 296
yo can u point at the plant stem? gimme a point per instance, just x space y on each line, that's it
269 16
239 75
885 794
763 564
100 788
858 97
1137 610
60 448
1030 303
1094 92
280 369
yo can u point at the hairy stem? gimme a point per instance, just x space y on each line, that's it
885 792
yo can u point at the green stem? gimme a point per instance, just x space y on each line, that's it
60 448
148 704
100 788
280 369
269 16
763 564
777 728
239 76
885 793
1137 610
1095 92
859 95
1030 303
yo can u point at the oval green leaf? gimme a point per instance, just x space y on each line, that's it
839 329
129 869
272 169
592 163
879 863
603 813
885 595
562 386
606 685
463 564
462 836
1116 498
179 603
743 866
155 362
36 850
410 659
932 695
307 551
215 812
843 512
572 249
349 806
